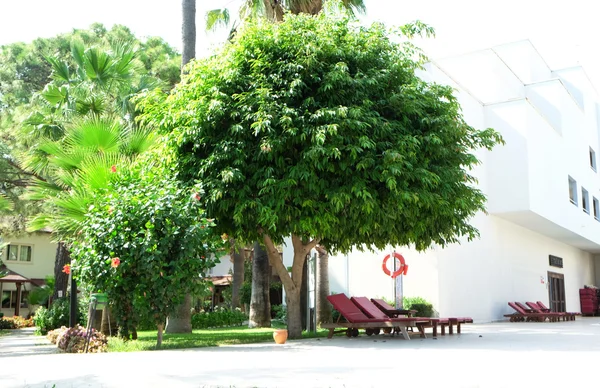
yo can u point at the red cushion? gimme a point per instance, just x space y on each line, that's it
382 304
367 307
348 309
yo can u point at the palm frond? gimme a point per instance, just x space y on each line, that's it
60 69
252 8
216 18
355 6
93 134
5 204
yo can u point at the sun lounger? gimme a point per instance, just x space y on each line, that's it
426 322
372 311
523 316
525 308
537 309
442 322
356 319
545 309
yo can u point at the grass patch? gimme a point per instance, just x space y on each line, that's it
200 338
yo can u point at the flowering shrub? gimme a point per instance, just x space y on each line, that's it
147 245
53 335
15 322
72 340
218 318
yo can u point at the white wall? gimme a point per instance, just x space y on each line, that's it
42 262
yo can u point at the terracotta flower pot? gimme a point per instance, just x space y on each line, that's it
280 336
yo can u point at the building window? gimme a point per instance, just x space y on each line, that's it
585 200
9 299
18 253
573 191
592 159
596 205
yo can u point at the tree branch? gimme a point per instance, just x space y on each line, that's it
277 263
16 165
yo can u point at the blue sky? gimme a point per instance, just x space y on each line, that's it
565 35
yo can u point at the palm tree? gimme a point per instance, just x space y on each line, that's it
82 124
188 31
181 320
273 10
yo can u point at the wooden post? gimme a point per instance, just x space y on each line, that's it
18 305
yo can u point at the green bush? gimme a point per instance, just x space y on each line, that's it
278 311
218 318
422 306
57 315
7 324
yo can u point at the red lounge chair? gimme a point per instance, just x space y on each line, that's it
547 310
372 311
537 309
522 315
356 319
389 310
525 308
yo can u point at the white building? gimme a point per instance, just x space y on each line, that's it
542 187
29 259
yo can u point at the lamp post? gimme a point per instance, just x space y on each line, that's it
73 300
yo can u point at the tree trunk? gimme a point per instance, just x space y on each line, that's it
312 7
291 284
109 324
294 314
273 10
304 298
238 274
181 320
260 303
61 279
323 308
159 335
188 31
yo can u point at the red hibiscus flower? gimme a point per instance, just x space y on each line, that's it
113 168
115 262
67 269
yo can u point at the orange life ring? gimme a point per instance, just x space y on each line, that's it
400 271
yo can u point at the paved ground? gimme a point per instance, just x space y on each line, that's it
495 355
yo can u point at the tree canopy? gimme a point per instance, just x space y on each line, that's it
319 128
46 83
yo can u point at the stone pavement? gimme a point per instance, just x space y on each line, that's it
492 355
23 342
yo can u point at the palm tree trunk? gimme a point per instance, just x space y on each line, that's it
181 320
238 274
61 281
323 307
273 10
188 31
260 303
312 7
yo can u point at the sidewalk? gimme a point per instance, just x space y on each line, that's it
495 355
23 342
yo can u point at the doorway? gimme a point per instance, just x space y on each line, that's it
556 292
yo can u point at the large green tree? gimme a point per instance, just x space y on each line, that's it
273 11
319 129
